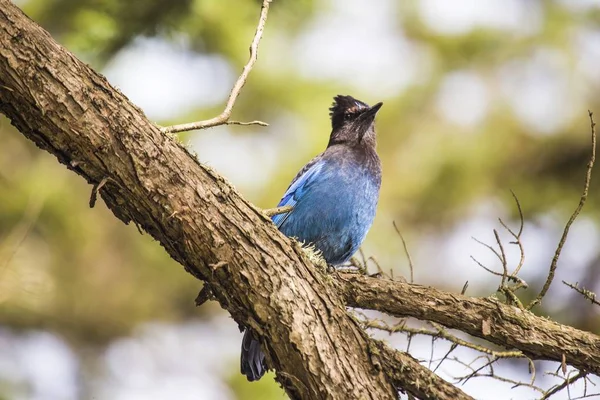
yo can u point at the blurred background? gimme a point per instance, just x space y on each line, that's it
480 98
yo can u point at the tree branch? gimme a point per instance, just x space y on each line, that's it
406 372
588 294
269 212
563 239
486 318
223 118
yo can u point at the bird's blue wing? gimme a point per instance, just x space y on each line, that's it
299 186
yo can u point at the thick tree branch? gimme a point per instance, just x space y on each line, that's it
262 278
486 318
406 372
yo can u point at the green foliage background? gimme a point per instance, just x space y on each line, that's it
80 273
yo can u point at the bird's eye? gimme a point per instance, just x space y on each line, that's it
347 116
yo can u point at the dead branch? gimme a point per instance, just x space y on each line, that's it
223 118
563 239
408 257
565 384
588 294
269 212
442 333
405 372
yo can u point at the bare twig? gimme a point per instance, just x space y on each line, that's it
363 257
355 263
476 373
503 254
582 200
489 247
588 294
410 263
464 288
506 277
440 332
374 261
256 122
531 369
452 348
565 384
517 236
223 118
269 212
484 267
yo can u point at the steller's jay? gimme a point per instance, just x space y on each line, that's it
333 198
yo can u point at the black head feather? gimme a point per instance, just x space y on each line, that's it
351 119
346 105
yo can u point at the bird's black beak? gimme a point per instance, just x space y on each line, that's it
371 112
366 120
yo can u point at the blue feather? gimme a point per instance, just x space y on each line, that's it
297 189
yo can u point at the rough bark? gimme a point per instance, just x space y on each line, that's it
406 372
486 318
261 277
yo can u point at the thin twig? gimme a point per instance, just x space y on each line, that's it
506 277
563 385
355 263
517 236
489 247
223 118
505 288
374 260
476 374
363 257
504 262
269 212
587 396
563 239
410 263
588 294
531 369
464 288
261 123
439 333
452 348
484 267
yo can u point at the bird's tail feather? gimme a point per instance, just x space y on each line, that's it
252 359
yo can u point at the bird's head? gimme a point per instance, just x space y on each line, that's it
352 121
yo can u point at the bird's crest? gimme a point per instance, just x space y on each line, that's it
346 104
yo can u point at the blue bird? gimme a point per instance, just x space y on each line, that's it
334 198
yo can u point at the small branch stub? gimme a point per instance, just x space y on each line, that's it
270 212
96 189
